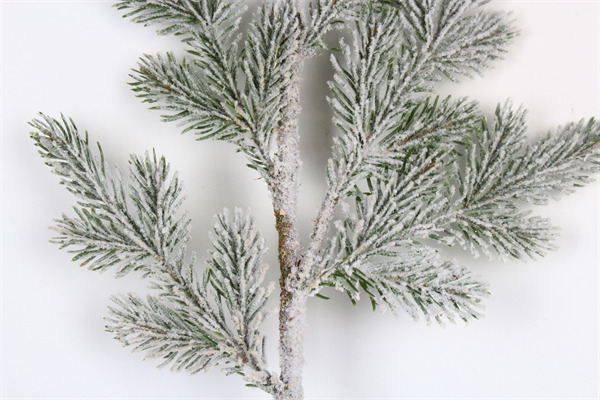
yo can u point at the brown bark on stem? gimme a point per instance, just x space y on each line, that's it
284 192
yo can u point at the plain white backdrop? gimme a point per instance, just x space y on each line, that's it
539 338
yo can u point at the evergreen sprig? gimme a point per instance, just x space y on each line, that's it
163 332
418 283
176 87
236 273
501 167
392 137
110 229
411 171
142 229
209 28
453 38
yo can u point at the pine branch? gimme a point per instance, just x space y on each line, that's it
552 166
362 109
369 64
416 168
204 92
164 332
416 282
501 171
453 37
394 204
147 223
108 229
269 63
141 230
372 97
430 123
105 231
178 88
209 27
472 43
236 274
384 213
490 150
506 231
193 20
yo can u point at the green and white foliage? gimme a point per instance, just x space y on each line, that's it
111 227
397 51
229 89
452 38
418 283
501 171
412 172
236 272
421 168
324 16
199 319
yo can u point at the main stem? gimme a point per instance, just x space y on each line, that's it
284 192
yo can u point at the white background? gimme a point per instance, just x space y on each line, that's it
539 338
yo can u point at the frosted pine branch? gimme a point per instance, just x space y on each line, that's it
386 66
163 332
209 28
454 37
417 283
176 87
502 167
195 21
412 172
141 230
236 273
269 64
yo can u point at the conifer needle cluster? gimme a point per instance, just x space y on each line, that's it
409 171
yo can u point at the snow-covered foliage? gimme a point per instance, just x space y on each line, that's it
409 169
200 319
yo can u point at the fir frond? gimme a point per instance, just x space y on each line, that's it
236 273
143 229
509 233
104 232
392 205
270 55
552 166
490 150
157 199
112 228
365 96
164 332
417 283
433 122
204 92
180 89
471 43
209 27
137 230
374 98
454 37
501 171
191 19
